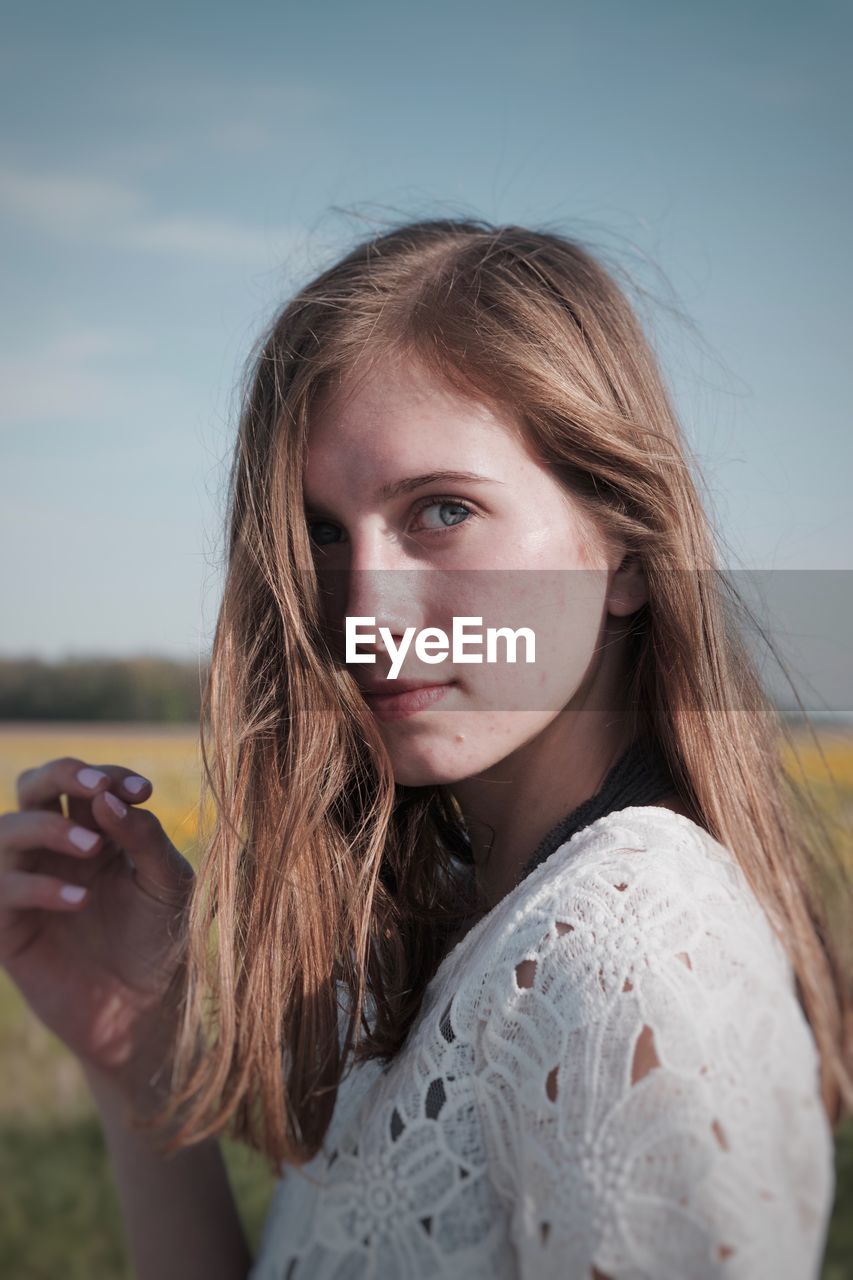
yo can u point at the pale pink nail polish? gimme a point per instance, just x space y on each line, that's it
112 802
72 892
82 838
90 777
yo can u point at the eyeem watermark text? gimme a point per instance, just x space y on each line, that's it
432 644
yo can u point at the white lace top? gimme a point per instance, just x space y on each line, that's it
609 1077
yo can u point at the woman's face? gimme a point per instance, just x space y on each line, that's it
510 547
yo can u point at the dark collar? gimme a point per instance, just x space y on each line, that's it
640 776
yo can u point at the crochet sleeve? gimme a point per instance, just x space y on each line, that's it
649 1084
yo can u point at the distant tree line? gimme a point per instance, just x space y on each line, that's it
142 688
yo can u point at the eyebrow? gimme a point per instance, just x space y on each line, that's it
431 477
408 485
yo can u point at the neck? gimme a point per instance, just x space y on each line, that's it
508 810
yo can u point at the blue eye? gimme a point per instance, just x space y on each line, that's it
438 503
461 513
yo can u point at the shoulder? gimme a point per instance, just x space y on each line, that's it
649 922
638 889
637 1021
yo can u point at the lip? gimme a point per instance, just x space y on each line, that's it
408 698
388 685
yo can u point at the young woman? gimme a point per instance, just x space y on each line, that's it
520 969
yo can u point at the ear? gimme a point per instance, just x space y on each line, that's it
628 590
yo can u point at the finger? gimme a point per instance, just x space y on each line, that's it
34 829
24 889
131 786
41 786
157 865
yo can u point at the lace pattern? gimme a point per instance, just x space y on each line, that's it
610 1078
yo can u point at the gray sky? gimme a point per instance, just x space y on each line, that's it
168 173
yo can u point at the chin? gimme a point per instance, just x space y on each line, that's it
440 759
424 773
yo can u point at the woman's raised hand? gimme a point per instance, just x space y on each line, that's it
94 968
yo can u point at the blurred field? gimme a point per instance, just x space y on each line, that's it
59 1214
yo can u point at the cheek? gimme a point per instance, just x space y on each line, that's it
571 623
563 608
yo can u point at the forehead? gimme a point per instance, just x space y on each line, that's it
398 414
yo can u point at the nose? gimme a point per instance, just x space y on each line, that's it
389 597
378 584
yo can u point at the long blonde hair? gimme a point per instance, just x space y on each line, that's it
320 873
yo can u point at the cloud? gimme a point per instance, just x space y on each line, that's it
102 382
114 214
236 114
207 237
62 203
61 380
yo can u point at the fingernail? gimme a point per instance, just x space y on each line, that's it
113 802
72 892
83 839
90 777
135 783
